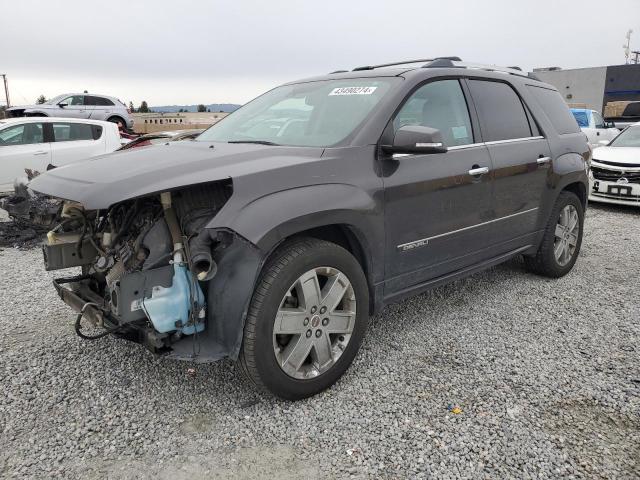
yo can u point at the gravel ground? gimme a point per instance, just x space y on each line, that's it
502 375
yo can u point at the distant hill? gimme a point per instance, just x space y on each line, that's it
214 107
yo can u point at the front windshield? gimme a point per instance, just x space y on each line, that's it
629 137
54 100
314 114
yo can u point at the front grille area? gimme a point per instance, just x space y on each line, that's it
613 175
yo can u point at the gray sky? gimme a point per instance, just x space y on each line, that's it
187 51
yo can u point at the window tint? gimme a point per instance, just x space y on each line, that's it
439 105
598 120
581 117
102 102
73 100
24 134
557 111
69 132
502 115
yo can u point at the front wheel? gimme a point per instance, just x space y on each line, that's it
562 238
307 319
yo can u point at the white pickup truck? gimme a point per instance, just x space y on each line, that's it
594 126
39 143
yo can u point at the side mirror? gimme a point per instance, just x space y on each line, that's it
604 143
62 105
609 125
416 139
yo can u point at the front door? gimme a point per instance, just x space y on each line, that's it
437 206
22 146
73 107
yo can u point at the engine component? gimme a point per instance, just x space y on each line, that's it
63 250
169 308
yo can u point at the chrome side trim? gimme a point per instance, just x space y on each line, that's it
614 168
511 140
425 241
462 147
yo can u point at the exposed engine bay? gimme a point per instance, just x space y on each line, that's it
145 264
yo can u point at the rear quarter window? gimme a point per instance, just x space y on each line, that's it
556 110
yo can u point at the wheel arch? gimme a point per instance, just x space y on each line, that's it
579 189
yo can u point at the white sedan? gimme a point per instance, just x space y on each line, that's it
40 143
615 169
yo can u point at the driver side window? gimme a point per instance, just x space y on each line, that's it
73 100
598 120
440 105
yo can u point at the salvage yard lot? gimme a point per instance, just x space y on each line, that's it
546 374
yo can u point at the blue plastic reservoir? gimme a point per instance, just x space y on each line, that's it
168 308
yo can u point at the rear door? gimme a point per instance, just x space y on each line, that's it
22 146
103 109
74 141
521 160
602 131
437 211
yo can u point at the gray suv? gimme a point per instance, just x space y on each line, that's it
273 236
78 105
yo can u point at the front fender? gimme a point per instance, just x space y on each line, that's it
268 220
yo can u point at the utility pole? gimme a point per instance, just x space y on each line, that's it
627 47
6 89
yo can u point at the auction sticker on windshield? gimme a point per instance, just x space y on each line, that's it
353 91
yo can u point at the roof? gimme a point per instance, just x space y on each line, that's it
18 120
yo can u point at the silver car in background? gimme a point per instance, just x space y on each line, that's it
78 105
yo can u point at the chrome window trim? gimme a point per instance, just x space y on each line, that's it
512 140
424 241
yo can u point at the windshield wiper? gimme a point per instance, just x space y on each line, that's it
257 142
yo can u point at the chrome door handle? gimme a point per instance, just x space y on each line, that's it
543 160
40 153
479 171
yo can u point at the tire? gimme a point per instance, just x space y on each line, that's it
281 304
116 120
546 261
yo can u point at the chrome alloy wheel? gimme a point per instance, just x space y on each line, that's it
566 235
314 323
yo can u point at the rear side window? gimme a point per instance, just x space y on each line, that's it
598 121
502 115
104 102
557 111
70 132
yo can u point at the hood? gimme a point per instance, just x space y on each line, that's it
101 181
619 155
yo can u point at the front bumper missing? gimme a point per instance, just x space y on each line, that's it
82 299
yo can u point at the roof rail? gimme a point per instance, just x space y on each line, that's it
450 62
393 64
517 71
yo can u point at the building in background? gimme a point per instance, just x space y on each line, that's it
159 122
594 87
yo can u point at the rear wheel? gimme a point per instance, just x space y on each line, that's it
307 319
118 120
562 239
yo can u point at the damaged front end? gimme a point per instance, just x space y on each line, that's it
148 268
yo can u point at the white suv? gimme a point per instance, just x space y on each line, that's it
78 105
39 143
